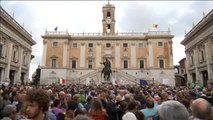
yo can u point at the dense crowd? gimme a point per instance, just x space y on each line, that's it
105 102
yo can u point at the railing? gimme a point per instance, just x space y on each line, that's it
134 79
88 75
128 77
103 34
158 33
56 33
2 11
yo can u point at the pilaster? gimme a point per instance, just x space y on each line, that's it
44 53
133 55
65 54
171 54
208 52
82 55
150 47
117 55
196 62
20 64
9 61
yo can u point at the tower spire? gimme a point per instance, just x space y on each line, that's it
108 2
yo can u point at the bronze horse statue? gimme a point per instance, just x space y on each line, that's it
107 73
106 70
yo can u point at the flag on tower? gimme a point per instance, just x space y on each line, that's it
56 28
61 81
155 25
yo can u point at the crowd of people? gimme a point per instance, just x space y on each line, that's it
105 102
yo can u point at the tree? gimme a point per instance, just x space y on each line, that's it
36 76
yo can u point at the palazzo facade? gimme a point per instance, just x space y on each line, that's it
76 57
15 50
198 44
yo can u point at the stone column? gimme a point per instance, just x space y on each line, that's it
150 58
65 54
187 65
117 55
208 53
196 62
98 54
133 59
82 55
7 70
171 54
44 53
26 78
20 50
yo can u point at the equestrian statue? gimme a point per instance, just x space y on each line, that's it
106 70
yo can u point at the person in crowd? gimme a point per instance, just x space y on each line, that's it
112 109
82 96
186 103
139 115
6 100
97 112
57 111
37 104
102 97
172 110
9 112
62 97
201 109
68 98
70 112
211 115
88 103
20 99
151 108
76 98
131 109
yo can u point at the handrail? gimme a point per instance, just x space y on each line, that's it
90 74
103 34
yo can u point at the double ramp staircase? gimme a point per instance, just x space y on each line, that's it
120 76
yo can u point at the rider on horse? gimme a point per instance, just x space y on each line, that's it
107 66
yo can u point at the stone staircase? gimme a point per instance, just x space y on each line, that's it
121 76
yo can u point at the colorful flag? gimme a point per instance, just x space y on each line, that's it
155 25
114 81
192 85
143 82
61 81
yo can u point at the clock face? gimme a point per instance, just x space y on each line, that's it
108 20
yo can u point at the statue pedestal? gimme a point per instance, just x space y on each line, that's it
107 82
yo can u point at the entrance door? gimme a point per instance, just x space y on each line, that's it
1 75
193 77
22 78
11 76
205 77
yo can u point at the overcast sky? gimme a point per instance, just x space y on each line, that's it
79 16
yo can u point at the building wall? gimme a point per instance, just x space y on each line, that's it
15 51
133 53
150 52
198 45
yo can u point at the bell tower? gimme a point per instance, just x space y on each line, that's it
108 21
